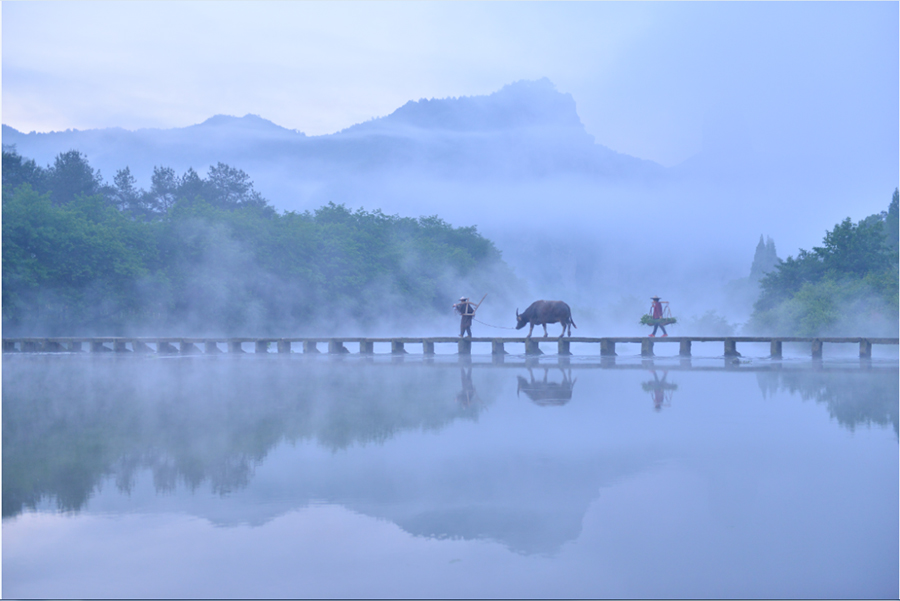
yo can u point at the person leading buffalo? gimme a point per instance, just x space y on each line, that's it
467 310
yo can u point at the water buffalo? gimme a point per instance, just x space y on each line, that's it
543 312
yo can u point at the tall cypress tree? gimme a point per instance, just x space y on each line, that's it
765 259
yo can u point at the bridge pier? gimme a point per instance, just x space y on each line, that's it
464 346
234 346
309 346
428 348
607 347
684 348
137 346
284 346
497 348
367 347
261 346
646 347
532 347
865 349
119 346
731 348
397 347
775 350
51 346
74 346
96 347
816 349
562 347
188 348
336 347
210 347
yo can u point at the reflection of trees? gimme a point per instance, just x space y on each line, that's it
546 392
853 398
660 390
69 422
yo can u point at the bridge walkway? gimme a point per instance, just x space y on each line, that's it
532 346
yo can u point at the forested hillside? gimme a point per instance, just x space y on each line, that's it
195 255
847 286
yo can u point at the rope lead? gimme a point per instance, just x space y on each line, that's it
491 326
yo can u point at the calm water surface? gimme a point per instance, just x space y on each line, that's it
268 476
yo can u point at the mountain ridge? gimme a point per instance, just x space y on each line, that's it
526 130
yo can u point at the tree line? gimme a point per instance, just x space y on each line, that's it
209 255
847 286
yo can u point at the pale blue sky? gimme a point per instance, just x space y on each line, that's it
655 80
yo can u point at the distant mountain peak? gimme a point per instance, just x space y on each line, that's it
522 104
231 119
535 86
247 122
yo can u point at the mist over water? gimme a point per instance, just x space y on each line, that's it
575 220
519 474
300 170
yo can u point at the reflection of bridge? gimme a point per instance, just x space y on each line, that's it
398 345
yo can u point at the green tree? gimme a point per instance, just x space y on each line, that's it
891 228
764 260
854 249
71 176
66 266
163 190
848 285
230 187
18 171
126 196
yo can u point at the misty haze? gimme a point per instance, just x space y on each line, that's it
242 358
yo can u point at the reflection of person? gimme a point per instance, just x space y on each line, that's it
660 390
465 308
467 395
659 398
656 312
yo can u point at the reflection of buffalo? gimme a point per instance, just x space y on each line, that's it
547 393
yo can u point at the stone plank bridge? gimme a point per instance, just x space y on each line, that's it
399 345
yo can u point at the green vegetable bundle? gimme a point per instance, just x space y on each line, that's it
646 320
651 386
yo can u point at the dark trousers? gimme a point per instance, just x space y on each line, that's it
465 325
659 325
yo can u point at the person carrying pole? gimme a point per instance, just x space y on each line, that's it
657 312
466 309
